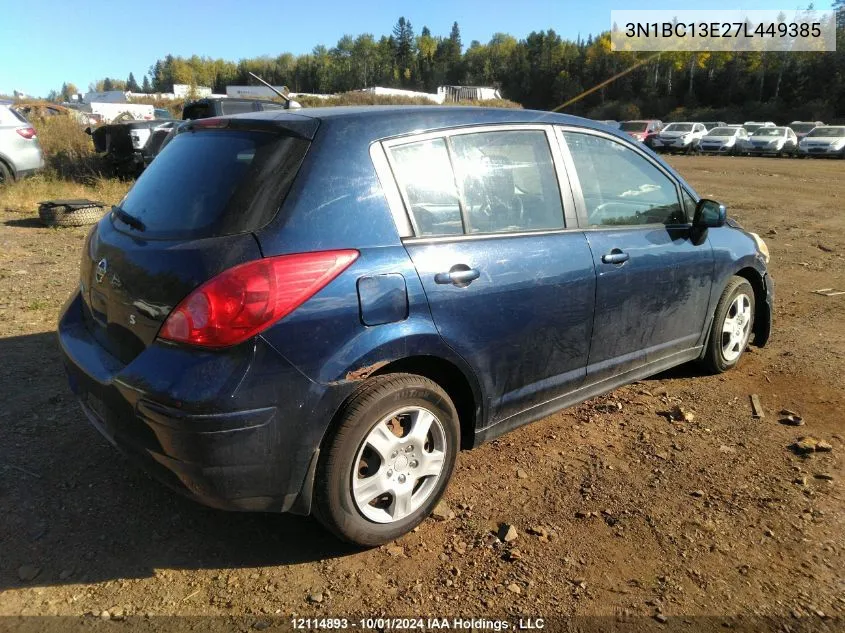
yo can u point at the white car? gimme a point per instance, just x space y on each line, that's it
724 140
825 140
753 126
777 141
679 137
802 128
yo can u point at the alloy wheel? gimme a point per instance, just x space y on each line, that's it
736 328
398 465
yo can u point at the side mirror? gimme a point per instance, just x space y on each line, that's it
709 214
88 131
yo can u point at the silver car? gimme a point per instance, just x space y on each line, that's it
724 140
774 141
825 140
20 153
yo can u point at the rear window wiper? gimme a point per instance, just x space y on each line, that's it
126 218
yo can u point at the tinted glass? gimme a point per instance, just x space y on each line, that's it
425 175
236 107
722 131
633 126
678 127
620 187
272 105
508 181
803 127
197 111
214 183
770 131
18 116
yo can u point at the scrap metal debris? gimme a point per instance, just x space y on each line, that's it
756 407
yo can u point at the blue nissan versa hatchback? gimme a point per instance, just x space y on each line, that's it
314 311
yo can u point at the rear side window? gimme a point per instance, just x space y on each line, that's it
18 116
210 183
477 183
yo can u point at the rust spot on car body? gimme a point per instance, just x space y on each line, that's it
365 372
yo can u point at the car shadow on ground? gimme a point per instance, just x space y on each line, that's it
77 511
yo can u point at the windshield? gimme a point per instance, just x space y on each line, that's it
770 131
800 128
678 127
633 126
828 132
722 131
212 183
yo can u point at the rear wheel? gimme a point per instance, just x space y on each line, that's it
388 461
5 174
733 323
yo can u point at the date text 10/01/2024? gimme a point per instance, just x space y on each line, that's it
420 624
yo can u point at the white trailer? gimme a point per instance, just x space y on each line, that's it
114 111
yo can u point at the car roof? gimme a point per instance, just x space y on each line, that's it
374 122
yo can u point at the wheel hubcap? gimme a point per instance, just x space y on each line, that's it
398 465
736 327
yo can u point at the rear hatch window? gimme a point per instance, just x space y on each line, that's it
214 182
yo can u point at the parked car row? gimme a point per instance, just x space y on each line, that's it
752 138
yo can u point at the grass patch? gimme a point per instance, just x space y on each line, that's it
23 196
72 170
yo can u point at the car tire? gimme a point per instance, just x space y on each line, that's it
726 344
63 216
6 175
374 439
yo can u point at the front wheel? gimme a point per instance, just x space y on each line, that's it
733 323
388 461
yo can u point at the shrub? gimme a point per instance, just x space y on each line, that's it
68 150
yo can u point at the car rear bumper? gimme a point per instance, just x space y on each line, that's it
234 430
27 159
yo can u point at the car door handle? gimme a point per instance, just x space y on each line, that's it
615 257
459 275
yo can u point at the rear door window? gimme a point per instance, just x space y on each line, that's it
214 182
479 183
508 181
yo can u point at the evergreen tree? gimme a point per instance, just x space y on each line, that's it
145 86
403 34
132 85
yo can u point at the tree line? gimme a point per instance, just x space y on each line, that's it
541 71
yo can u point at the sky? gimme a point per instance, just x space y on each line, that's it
44 43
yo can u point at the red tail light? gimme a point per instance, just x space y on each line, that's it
242 301
26 132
